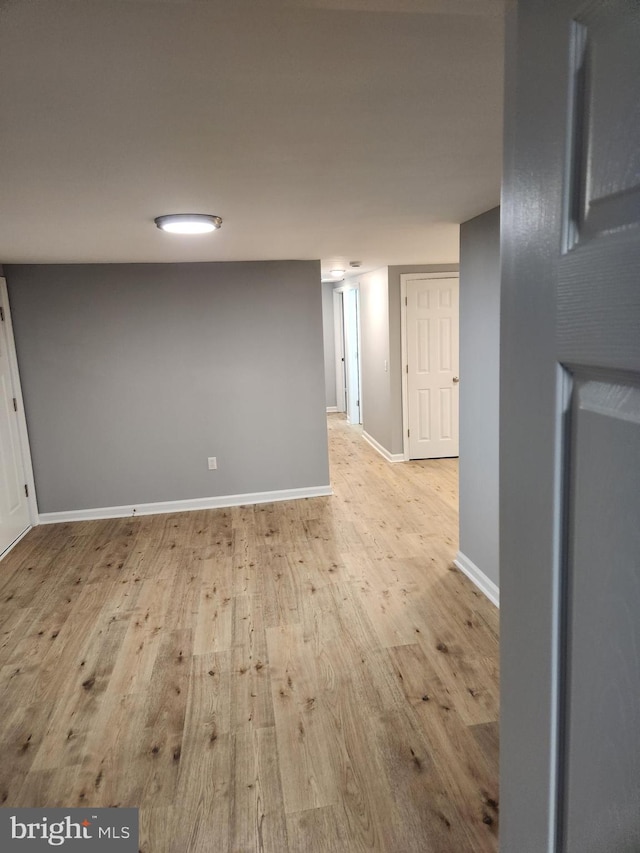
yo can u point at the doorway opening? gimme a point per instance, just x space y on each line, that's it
430 365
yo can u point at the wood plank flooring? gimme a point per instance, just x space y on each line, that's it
306 676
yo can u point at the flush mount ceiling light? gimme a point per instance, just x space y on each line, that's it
188 223
337 273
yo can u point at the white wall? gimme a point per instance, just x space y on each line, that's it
374 333
329 344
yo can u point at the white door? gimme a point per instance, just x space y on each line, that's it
352 353
431 365
341 378
14 507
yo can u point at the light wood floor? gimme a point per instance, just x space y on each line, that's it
306 676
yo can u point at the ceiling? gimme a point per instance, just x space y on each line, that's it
334 129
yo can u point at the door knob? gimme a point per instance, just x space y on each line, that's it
456 379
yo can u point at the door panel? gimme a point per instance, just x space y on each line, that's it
423 346
570 430
606 65
603 709
424 415
446 414
432 365
446 349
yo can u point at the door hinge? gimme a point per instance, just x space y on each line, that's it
15 405
408 433
406 368
26 490
1 313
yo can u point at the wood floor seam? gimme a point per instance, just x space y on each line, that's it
299 677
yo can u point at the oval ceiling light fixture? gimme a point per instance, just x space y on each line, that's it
188 223
337 273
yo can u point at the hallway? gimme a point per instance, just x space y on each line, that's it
305 676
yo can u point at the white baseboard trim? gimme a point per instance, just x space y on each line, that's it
184 506
331 409
484 584
390 457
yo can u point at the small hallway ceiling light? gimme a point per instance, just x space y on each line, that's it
337 273
188 223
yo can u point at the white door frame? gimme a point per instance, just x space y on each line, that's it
404 278
25 450
338 335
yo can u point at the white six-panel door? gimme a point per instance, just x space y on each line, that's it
570 430
14 506
431 365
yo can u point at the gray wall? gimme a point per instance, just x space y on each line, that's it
374 338
479 390
329 344
134 374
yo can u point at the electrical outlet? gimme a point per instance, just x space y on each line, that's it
213 463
